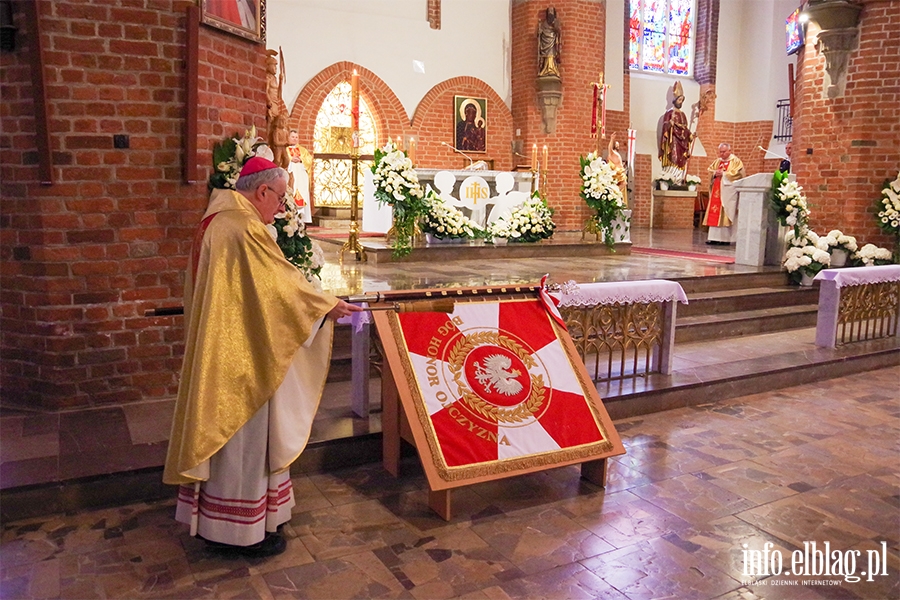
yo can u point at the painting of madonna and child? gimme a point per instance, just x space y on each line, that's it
471 123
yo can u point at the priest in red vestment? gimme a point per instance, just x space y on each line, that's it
722 209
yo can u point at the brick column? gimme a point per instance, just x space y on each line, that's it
582 59
845 147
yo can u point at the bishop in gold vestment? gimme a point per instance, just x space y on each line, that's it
255 360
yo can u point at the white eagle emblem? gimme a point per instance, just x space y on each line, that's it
496 374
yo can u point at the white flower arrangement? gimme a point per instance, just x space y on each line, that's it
395 178
445 221
298 248
870 255
790 206
889 207
530 222
837 240
229 157
807 237
806 259
600 190
667 177
397 185
692 180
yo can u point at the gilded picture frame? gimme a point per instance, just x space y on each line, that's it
244 18
470 124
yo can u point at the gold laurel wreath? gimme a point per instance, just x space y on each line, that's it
492 412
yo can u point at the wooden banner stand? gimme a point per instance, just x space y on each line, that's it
400 421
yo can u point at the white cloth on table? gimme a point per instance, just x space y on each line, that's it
860 275
623 292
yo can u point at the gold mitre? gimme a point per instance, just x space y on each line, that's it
677 90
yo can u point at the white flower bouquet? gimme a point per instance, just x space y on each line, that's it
298 248
444 221
530 222
790 206
229 157
837 240
692 180
600 190
870 255
397 185
807 259
889 207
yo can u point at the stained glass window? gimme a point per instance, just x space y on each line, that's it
661 34
331 147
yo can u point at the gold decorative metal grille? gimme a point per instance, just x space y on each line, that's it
331 147
332 180
868 312
616 341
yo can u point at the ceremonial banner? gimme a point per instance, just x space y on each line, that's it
497 387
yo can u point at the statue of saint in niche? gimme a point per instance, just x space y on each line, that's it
548 44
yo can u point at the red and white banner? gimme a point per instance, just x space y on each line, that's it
632 144
497 383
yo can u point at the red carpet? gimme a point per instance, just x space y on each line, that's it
688 255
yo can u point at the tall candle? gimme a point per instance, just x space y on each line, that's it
534 158
546 155
412 150
354 108
603 113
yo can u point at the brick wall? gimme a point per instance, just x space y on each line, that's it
84 257
390 116
431 124
582 60
845 147
434 122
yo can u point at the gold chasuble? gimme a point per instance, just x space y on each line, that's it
247 312
722 203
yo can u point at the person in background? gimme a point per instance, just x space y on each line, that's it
785 166
722 209
257 349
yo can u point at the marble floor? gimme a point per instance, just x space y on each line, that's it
699 492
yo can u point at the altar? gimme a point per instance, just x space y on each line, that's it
521 179
480 195
672 209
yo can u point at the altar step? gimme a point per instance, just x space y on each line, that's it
743 304
331 218
719 307
715 382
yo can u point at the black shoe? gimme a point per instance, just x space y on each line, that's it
272 545
710 243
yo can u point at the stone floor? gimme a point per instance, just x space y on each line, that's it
818 463
47 447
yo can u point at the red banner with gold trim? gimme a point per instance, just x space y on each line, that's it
497 390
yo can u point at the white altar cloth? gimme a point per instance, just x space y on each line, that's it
860 275
624 292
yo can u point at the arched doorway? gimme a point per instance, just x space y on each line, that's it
331 147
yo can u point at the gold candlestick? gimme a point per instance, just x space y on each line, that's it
352 244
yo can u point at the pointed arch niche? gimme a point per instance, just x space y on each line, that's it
382 105
331 146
